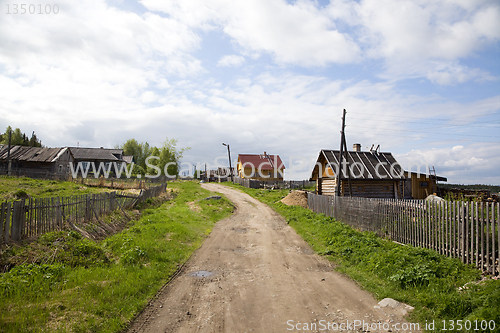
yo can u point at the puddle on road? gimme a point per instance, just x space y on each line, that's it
201 274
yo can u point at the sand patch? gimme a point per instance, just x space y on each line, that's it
296 198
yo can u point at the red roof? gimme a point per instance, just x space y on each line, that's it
268 162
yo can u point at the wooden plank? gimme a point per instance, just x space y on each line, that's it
493 247
482 235
487 217
476 220
16 221
498 235
23 233
461 230
7 224
3 213
441 228
467 233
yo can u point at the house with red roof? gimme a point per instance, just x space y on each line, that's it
262 167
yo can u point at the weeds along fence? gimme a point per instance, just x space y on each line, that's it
32 217
469 231
119 183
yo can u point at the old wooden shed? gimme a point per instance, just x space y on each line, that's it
369 174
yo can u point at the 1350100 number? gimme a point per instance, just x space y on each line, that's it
32 9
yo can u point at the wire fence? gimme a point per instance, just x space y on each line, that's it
26 218
469 231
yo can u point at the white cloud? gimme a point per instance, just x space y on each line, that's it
446 73
471 163
231 61
423 38
297 33
148 97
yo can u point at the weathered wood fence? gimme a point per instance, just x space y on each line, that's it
466 230
250 183
32 217
292 184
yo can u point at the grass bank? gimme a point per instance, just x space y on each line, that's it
14 188
420 277
85 286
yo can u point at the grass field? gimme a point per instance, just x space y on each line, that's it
78 285
13 188
420 277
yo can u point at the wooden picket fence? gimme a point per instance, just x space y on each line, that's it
24 219
469 231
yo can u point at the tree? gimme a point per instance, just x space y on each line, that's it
19 138
153 161
168 153
171 155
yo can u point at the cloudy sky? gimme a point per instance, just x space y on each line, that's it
421 78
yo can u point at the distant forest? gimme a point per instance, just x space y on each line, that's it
491 188
20 139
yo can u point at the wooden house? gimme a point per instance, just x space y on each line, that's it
369 174
35 161
262 167
101 155
420 185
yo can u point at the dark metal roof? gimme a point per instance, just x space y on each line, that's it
31 154
364 165
90 154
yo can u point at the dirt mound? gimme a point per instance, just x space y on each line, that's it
296 198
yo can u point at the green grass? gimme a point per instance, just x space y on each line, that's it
420 277
13 188
99 287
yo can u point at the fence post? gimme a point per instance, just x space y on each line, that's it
16 221
487 236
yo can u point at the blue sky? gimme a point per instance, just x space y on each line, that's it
420 78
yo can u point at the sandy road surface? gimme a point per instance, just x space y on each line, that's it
255 274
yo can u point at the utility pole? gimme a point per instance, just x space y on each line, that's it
342 140
9 167
229 155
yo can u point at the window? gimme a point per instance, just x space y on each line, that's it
424 184
60 168
67 169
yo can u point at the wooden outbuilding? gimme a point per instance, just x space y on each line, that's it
369 174
421 185
35 161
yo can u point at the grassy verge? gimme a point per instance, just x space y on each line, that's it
13 188
420 277
84 286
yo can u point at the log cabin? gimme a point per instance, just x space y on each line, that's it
369 174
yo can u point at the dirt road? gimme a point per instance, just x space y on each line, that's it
255 274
